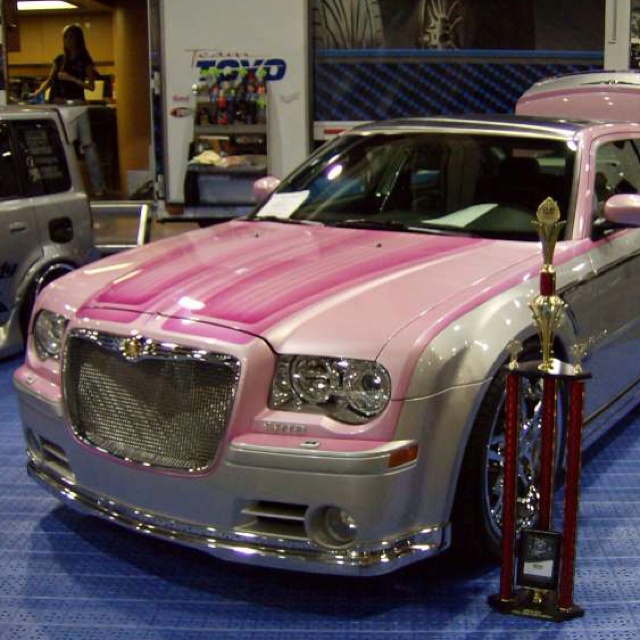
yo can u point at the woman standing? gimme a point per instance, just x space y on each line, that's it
71 73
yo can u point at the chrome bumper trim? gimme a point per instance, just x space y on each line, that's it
251 549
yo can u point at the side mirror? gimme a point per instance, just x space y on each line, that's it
263 187
623 210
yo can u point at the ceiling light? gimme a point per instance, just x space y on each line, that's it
40 5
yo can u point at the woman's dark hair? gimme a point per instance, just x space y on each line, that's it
75 30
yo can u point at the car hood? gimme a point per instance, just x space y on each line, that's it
300 287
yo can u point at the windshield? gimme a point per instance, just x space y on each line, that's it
467 183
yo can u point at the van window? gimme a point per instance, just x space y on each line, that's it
9 187
46 169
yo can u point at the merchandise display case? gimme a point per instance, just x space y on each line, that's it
228 152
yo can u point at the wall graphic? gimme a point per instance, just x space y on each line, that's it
459 24
377 59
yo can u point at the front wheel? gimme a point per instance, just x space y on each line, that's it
478 511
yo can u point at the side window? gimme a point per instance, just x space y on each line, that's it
617 170
44 161
9 186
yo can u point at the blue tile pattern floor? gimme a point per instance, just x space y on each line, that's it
68 577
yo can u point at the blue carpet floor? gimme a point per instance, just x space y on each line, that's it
68 577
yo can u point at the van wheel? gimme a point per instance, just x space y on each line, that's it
347 24
51 273
478 509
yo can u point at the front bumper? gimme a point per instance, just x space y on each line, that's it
249 548
210 512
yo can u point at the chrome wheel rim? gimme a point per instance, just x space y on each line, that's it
528 462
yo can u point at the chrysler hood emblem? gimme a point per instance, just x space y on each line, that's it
131 348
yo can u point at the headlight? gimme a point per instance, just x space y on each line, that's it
351 391
48 330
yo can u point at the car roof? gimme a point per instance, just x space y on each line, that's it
627 79
505 124
23 111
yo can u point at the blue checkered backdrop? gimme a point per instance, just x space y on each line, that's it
374 85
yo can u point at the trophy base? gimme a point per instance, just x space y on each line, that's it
535 603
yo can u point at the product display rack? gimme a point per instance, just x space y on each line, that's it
229 147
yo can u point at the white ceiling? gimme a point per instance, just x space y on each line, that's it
83 5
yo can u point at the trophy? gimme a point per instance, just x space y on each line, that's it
546 558
548 309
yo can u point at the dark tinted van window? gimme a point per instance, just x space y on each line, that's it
9 187
44 159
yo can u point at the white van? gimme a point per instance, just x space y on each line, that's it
45 218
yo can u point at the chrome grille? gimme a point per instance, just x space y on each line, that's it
151 403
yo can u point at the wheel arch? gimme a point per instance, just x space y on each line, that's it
450 379
39 276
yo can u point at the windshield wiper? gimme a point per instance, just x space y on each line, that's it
366 223
396 225
449 229
284 220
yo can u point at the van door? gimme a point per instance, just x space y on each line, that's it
19 237
62 212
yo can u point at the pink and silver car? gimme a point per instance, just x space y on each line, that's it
320 386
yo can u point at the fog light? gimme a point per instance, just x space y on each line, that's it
340 525
333 527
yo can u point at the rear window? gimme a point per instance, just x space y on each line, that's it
45 164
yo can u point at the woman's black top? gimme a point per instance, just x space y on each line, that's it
62 90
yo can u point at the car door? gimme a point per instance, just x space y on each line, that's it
606 305
19 236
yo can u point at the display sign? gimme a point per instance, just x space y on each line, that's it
539 559
231 38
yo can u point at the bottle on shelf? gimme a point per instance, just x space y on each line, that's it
261 100
221 104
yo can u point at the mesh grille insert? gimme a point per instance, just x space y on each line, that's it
167 408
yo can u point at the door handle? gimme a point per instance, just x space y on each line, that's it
16 227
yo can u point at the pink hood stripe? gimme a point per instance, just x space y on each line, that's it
250 274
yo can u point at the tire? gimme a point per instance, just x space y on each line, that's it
347 24
51 273
477 514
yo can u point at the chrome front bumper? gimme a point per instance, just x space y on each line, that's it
251 549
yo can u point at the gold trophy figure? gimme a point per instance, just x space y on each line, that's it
548 314
549 226
579 351
548 309
514 348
